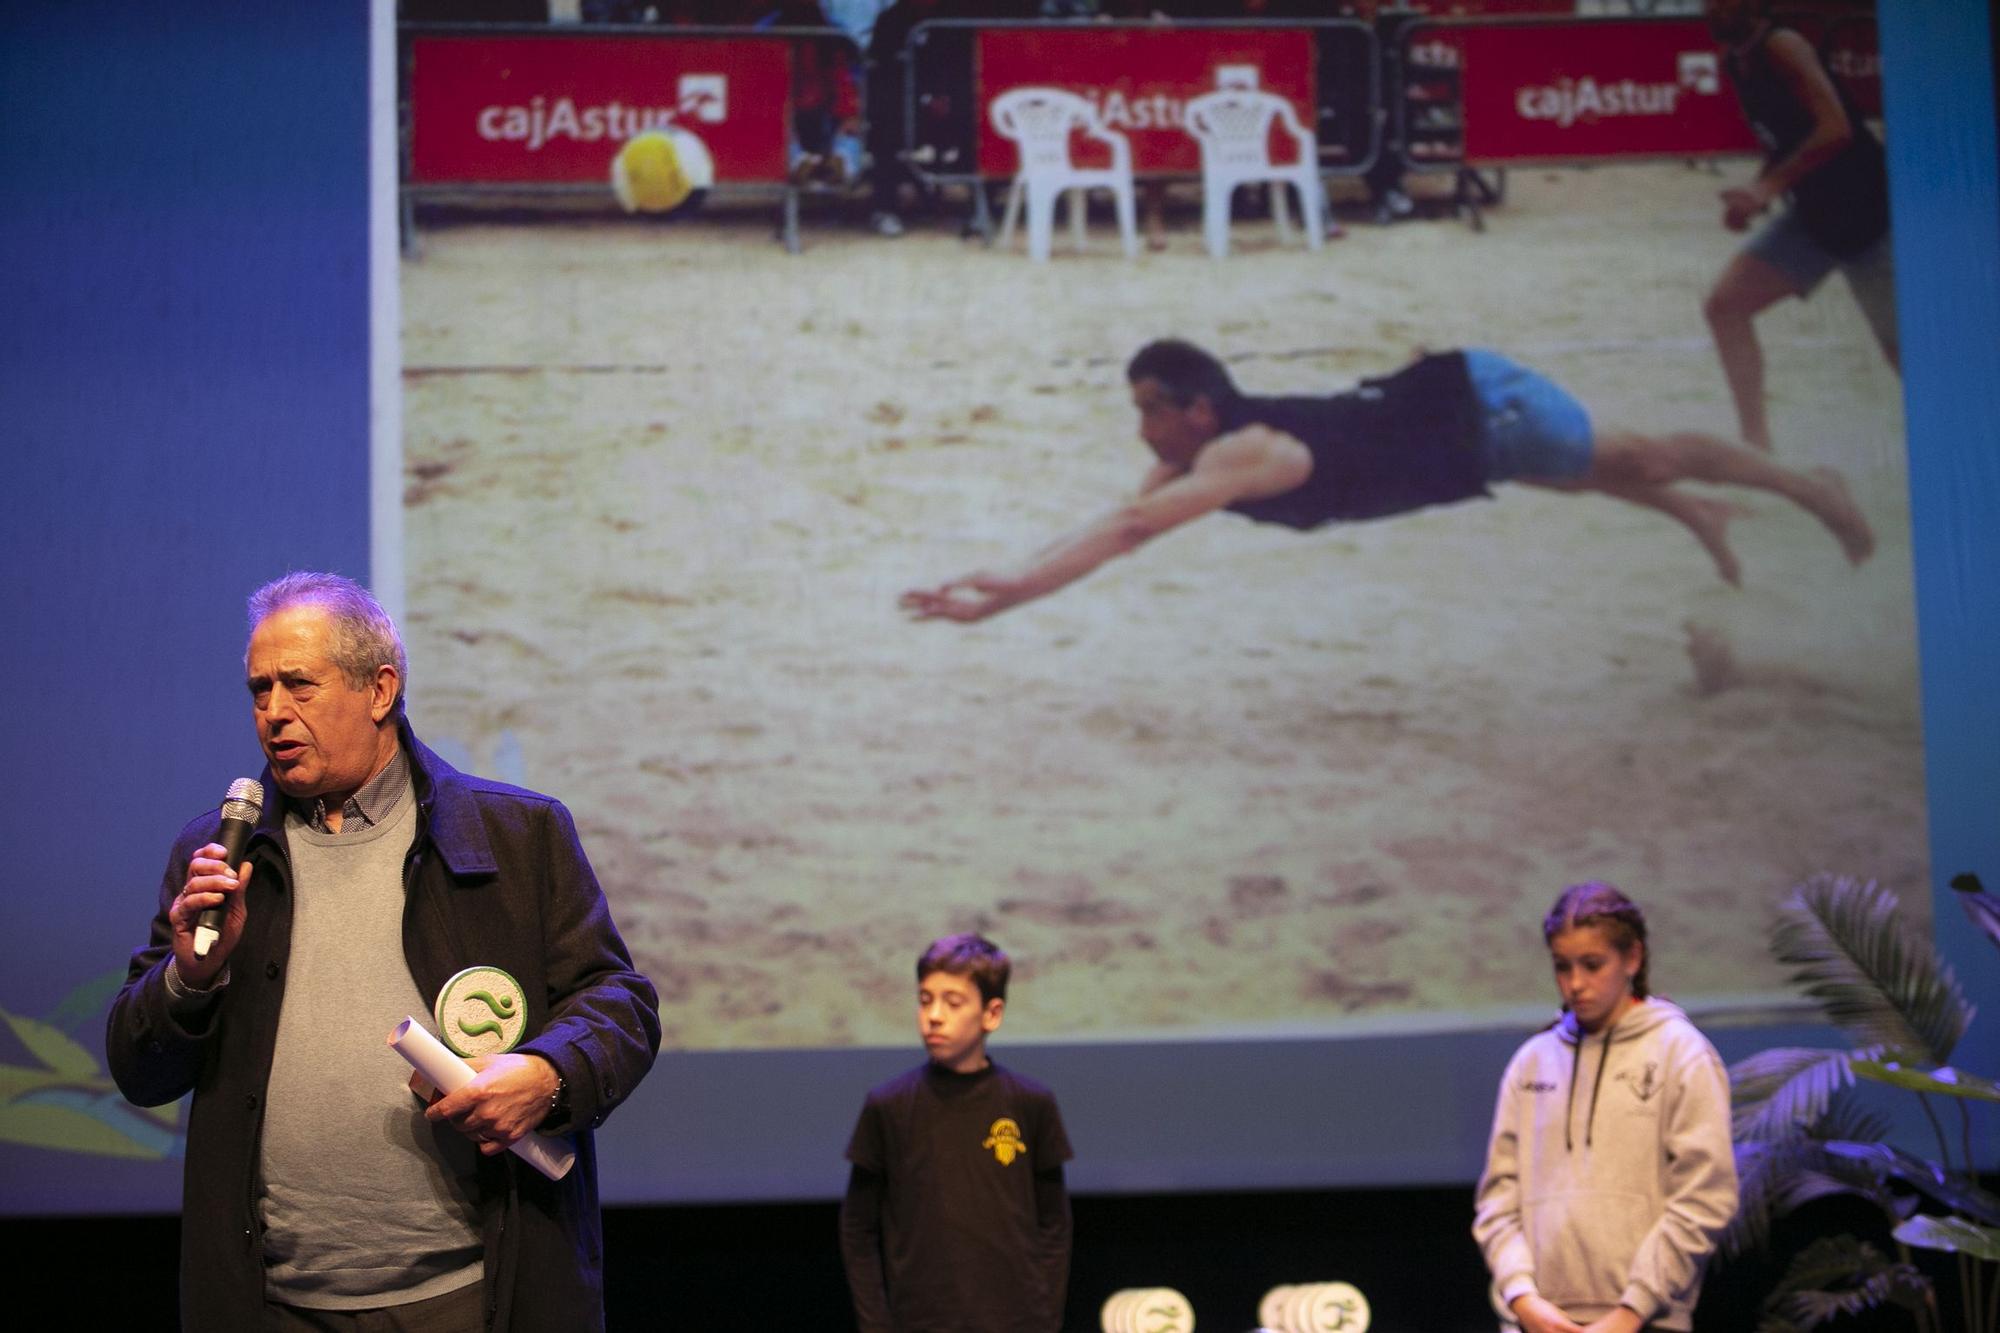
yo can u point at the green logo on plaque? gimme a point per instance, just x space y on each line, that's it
481 1011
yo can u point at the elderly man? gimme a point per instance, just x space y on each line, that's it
1445 428
319 1192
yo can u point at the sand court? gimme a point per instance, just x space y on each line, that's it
665 483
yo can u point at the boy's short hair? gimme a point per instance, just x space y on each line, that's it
969 955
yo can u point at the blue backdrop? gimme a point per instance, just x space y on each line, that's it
186 412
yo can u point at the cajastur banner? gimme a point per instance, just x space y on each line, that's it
1555 91
505 109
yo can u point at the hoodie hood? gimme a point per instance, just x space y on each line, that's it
1637 1021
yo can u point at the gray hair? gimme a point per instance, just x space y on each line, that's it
364 638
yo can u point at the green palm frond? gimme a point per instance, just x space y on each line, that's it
1844 1120
1872 975
1828 1261
1954 1235
1899 1284
1762 1172
1782 1091
1981 906
1835 1178
1960 1194
1839 1275
1773 1177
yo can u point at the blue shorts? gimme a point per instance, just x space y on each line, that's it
1786 246
1531 427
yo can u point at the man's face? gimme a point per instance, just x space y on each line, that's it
322 735
953 1022
1173 432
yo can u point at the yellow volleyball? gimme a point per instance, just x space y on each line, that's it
648 175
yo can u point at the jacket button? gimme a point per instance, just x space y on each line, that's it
271 971
250 1102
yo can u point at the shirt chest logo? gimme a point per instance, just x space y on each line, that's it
1004 1141
1643 1083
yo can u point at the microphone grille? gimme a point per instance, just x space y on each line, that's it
245 800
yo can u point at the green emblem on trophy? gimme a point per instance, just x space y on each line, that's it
481 1011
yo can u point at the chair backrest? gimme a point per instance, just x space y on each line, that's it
1234 124
1039 121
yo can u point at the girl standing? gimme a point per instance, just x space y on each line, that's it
1609 1175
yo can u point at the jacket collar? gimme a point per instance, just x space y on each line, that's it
451 815
448 813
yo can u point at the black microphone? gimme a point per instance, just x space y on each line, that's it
240 811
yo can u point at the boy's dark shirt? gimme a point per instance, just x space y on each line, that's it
1387 446
965 1244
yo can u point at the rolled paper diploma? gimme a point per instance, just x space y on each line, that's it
429 1057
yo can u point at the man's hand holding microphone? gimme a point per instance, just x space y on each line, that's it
208 913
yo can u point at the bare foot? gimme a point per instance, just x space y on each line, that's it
1836 508
1709 520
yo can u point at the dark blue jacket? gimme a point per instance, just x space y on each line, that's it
495 875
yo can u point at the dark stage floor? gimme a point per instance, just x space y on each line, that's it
757 1267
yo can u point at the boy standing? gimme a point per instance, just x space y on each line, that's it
956 1219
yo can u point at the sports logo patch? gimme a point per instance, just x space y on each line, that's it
1004 1138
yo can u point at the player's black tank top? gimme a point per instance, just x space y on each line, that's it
1388 446
1844 204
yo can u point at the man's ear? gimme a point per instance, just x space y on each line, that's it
996 1009
383 695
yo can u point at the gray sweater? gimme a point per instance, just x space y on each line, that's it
365 1203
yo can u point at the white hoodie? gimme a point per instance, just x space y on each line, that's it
1609 1174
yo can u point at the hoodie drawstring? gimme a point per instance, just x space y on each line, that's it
1596 1086
1569 1107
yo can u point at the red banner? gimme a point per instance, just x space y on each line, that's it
1550 92
533 109
1140 80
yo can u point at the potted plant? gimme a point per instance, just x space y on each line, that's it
1802 1134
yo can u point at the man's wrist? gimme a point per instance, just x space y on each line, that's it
556 1112
183 994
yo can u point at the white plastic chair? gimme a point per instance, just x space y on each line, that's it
1040 121
1233 127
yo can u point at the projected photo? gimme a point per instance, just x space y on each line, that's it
690 519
